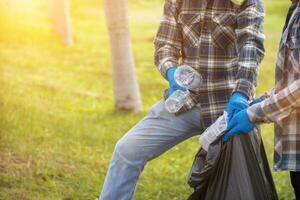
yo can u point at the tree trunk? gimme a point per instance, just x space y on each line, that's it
126 90
60 10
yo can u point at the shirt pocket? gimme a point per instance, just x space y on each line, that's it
294 46
223 34
191 28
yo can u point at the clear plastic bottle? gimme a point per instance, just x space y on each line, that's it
213 132
176 101
186 77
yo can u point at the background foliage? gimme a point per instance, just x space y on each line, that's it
57 123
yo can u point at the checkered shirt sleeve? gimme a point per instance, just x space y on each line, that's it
277 106
168 39
251 50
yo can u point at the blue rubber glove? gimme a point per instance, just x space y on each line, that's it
255 101
173 86
239 124
237 102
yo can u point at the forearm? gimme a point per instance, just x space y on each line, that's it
277 106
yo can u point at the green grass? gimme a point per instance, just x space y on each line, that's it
58 126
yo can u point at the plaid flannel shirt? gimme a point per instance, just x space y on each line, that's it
283 105
221 39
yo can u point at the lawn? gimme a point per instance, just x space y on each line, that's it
58 126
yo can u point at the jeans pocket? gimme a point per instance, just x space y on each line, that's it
158 109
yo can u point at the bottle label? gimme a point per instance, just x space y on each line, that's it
215 131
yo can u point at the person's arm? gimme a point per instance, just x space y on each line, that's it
272 109
274 106
168 39
280 105
277 106
250 46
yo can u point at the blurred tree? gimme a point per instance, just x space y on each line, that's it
126 90
60 11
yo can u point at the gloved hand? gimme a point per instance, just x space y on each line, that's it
257 100
239 124
237 102
173 86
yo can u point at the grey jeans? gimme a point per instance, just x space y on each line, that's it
153 135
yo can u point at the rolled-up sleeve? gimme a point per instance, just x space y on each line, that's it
277 106
168 38
250 44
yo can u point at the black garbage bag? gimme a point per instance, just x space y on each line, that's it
233 170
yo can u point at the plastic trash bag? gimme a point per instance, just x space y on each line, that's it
233 170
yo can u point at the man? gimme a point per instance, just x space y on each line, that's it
281 106
223 41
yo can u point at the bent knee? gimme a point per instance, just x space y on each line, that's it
128 149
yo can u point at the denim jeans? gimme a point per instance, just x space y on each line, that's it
153 135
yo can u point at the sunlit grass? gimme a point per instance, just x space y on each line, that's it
58 125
